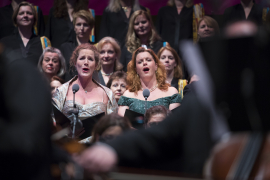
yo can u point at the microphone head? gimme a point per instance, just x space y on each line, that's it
146 93
75 88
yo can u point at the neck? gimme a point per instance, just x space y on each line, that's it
170 76
49 76
247 3
180 3
70 4
15 3
85 83
126 3
82 40
25 32
144 40
148 83
107 68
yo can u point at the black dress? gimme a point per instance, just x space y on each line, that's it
115 24
59 30
126 56
236 13
14 48
7 26
174 27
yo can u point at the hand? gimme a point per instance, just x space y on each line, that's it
96 159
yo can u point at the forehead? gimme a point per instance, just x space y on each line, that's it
157 117
119 80
143 55
140 18
107 46
86 52
81 20
167 52
25 8
55 83
50 54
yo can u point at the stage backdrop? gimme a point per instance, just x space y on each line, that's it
212 7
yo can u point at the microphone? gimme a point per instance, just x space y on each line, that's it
75 88
146 93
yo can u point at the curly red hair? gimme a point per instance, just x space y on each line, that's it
133 80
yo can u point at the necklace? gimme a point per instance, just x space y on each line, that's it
106 74
125 8
153 88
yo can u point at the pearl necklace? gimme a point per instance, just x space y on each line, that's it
106 74
153 88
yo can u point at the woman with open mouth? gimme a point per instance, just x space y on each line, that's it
92 98
145 71
141 31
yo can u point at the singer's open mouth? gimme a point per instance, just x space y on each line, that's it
146 69
85 69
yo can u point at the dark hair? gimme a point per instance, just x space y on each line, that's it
75 54
155 110
108 121
60 7
16 11
116 75
56 78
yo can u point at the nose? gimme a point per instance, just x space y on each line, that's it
144 62
106 54
118 88
166 59
50 62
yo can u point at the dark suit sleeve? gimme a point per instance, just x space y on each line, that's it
41 23
24 121
104 25
185 133
159 22
48 25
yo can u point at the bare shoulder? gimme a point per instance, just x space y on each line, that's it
129 94
172 91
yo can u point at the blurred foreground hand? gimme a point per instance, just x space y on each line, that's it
96 159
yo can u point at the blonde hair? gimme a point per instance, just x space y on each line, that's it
189 3
133 80
178 73
209 22
115 6
85 15
109 40
133 42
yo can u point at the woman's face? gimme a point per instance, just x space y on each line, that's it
168 60
50 63
54 85
145 65
85 64
118 88
142 26
205 30
107 54
25 16
82 28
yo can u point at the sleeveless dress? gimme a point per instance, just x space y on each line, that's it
137 105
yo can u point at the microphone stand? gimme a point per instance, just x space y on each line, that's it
145 104
75 116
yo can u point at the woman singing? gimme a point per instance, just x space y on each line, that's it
92 98
145 71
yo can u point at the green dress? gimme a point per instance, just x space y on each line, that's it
137 105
